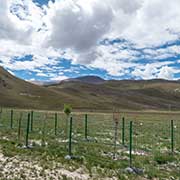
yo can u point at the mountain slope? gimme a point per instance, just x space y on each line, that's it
124 94
15 92
90 93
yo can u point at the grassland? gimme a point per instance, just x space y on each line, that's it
95 157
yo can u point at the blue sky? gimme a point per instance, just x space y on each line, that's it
42 2
114 39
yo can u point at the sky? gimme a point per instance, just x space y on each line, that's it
52 40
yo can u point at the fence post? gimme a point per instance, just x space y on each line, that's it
172 136
27 129
11 123
130 144
115 138
86 127
19 127
55 125
32 119
123 130
1 113
70 137
44 129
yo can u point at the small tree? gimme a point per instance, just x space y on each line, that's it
67 111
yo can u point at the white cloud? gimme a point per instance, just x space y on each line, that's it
143 22
156 70
80 25
58 78
8 29
162 53
41 74
166 73
73 29
155 23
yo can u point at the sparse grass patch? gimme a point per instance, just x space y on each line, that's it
163 158
151 145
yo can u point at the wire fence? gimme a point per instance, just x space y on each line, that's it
130 139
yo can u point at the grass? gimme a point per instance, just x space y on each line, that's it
151 144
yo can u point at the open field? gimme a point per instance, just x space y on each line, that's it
98 149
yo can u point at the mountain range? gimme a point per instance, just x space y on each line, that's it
89 93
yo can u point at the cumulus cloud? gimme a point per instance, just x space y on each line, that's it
159 70
80 25
84 32
166 73
8 29
155 23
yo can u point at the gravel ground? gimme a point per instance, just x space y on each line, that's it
12 168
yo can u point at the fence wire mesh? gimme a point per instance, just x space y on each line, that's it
155 136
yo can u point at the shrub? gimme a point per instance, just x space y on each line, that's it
163 158
67 109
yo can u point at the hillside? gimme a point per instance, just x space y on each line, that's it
15 92
125 94
90 93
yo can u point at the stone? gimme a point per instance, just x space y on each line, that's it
67 157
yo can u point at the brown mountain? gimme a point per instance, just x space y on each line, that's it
15 92
90 93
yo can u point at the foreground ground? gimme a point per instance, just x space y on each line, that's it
103 155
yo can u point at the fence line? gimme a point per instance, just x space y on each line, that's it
132 137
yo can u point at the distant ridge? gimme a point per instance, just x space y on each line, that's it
87 79
83 79
96 80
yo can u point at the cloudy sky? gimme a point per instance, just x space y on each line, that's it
119 39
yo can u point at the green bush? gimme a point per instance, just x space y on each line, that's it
163 158
67 109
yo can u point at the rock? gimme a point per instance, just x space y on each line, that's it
172 178
129 170
68 157
134 170
138 170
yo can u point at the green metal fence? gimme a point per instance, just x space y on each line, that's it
133 140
